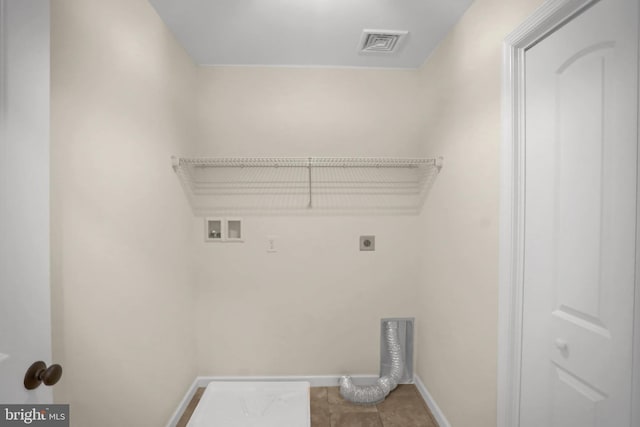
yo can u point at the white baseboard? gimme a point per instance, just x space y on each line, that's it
183 404
431 403
314 380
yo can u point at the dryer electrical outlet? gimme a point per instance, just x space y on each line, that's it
367 243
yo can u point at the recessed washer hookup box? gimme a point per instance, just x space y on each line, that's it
253 404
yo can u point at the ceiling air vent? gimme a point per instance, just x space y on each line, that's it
381 41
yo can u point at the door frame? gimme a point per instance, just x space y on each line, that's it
546 19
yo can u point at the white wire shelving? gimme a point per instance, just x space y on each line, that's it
314 185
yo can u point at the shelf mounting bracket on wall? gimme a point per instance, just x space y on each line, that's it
310 189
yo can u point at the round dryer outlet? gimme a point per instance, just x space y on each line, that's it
367 243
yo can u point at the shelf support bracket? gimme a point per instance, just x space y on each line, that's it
310 196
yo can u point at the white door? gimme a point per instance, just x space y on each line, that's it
580 220
24 197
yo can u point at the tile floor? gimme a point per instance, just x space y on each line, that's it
404 407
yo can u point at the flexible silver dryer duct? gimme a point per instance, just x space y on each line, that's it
372 394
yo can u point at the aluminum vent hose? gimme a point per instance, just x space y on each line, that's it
372 394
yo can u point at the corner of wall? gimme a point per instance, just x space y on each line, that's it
122 103
460 85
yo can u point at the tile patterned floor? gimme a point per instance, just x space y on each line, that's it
404 407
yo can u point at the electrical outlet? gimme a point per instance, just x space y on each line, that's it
272 244
367 243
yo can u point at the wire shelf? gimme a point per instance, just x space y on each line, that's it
316 185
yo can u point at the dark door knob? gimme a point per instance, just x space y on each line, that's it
39 373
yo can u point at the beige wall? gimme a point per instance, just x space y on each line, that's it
313 307
457 328
122 104
267 111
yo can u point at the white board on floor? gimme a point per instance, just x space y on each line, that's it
253 404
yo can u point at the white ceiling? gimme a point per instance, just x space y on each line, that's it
324 33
